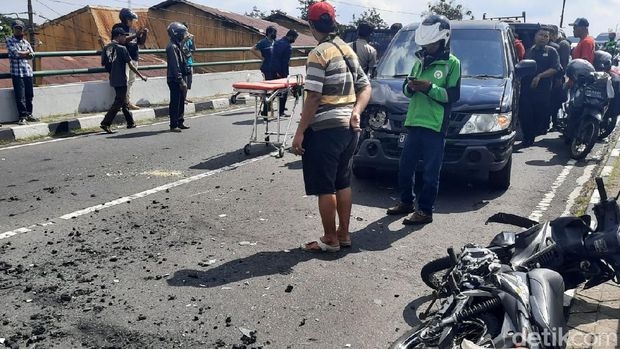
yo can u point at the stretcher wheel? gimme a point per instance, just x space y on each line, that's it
280 152
246 149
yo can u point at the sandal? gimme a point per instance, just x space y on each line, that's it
323 247
345 243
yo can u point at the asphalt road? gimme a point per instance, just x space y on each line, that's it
190 263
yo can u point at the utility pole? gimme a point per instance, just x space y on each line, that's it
562 17
31 26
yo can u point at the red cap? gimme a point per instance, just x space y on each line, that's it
316 10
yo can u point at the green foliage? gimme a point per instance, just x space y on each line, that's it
303 8
450 9
370 16
256 13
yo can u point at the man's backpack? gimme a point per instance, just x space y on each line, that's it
107 57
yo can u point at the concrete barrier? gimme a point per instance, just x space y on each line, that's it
28 131
97 96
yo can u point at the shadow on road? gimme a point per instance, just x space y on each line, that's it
131 135
280 262
226 159
418 305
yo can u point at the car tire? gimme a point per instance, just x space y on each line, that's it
362 172
500 180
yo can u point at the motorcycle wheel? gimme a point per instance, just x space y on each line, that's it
433 272
585 138
411 338
607 126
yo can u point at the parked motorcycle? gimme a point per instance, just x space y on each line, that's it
588 100
489 305
567 245
603 62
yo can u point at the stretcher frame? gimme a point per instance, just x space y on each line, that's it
294 87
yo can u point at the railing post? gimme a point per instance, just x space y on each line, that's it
36 65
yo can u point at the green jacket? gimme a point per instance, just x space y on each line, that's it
611 46
432 109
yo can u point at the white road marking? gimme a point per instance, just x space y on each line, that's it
94 134
135 196
581 181
545 203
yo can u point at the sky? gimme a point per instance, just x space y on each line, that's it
602 14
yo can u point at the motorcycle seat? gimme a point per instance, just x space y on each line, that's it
546 299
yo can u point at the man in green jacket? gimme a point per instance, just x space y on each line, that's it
433 86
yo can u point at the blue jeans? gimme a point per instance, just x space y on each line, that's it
426 147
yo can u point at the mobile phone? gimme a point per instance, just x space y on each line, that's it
411 78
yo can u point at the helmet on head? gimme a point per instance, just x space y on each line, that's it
177 31
602 61
127 14
433 29
578 69
18 24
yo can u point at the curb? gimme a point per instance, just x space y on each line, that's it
41 129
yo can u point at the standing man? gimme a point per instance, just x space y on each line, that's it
116 59
586 46
536 91
558 95
264 51
611 46
188 50
282 51
176 75
20 52
366 54
337 92
135 39
433 86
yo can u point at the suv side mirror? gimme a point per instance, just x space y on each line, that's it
526 67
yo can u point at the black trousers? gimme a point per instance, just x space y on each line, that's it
176 108
534 113
120 103
24 93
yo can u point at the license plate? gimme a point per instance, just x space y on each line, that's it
401 140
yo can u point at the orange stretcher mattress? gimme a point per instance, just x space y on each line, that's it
269 85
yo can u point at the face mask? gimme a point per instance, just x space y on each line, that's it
272 36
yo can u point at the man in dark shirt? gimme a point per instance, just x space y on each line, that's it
264 50
116 57
558 95
536 91
176 75
135 38
282 51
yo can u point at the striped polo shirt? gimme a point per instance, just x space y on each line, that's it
327 73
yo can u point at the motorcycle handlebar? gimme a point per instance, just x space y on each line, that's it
601 189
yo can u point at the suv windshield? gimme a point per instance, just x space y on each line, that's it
481 52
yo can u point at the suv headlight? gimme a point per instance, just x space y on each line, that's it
486 123
377 119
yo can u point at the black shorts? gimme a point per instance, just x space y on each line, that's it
327 159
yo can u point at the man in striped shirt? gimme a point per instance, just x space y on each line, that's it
20 52
337 92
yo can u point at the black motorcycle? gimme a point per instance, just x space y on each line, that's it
489 305
567 245
603 62
588 101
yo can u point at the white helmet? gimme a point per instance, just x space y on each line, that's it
434 28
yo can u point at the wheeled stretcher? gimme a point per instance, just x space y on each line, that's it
265 92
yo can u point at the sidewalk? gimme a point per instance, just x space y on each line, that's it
594 320
72 124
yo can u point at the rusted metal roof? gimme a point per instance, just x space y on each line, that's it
253 24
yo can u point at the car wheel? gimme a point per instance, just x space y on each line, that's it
361 172
500 180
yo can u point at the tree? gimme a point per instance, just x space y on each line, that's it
275 12
370 16
256 13
303 8
449 9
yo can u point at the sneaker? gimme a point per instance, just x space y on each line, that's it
31 118
183 127
131 126
22 122
131 106
107 129
175 129
418 218
401 209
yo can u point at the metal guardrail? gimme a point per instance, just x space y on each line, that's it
43 73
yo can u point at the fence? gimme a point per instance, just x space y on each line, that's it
43 73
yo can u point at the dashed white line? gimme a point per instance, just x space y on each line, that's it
545 203
135 196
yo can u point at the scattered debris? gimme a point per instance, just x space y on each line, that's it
289 289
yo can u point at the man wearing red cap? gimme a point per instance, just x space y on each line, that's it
337 92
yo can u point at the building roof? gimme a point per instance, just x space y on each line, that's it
286 16
252 24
